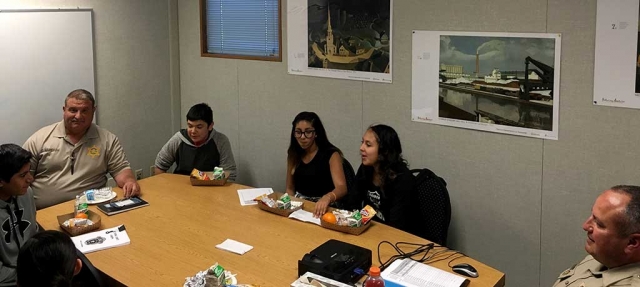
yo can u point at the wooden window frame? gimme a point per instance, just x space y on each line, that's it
203 39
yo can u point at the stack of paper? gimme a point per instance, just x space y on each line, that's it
234 246
247 195
409 273
103 239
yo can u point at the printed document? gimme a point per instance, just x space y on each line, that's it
247 195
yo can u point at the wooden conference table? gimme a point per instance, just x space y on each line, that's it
175 237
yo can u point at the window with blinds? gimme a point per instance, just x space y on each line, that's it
243 29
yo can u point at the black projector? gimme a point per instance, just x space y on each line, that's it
336 260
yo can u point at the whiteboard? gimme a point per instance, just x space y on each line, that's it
44 55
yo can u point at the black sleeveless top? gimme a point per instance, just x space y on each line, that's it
314 178
204 158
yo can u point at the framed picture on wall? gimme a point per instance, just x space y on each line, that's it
344 39
616 76
497 82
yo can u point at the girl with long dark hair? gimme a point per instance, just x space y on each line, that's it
384 181
314 165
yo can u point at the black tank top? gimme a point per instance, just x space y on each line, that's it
314 178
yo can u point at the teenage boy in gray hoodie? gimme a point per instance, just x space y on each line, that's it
17 208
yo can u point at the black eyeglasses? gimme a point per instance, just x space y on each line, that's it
307 134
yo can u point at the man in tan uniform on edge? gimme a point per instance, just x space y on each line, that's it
613 242
75 155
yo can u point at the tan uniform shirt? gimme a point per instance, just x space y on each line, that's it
588 273
62 170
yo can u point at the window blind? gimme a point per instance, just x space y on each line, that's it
243 27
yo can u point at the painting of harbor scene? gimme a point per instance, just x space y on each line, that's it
347 39
502 83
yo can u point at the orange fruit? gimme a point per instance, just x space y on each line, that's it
329 217
82 215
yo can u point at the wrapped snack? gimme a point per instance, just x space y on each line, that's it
296 204
367 214
341 217
196 281
284 202
201 175
218 173
267 200
102 193
77 222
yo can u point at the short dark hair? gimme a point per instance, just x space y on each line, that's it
199 112
12 159
81 95
631 222
47 259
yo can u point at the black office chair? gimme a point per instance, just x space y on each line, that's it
89 275
434 206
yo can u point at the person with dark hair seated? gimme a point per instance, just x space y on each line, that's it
17 208
198 146
314 165
48 259
383 180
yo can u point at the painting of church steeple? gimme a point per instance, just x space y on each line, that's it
329 47
356 38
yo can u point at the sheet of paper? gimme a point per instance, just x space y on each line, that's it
247 195
234 246
409 273
102 239
305 216
309 279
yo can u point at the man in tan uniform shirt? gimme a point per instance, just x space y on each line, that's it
75 155
613 242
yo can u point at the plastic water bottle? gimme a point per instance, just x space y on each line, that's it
374 279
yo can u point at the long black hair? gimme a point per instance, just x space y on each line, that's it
390 160
295 152
47 259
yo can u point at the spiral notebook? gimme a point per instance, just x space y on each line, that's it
122 205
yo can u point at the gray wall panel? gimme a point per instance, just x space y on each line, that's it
518 202
133 86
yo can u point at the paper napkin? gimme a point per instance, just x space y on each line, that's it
234 246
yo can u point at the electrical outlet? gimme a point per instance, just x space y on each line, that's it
139 174
152 170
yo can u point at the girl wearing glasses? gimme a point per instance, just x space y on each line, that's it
384 181
314 165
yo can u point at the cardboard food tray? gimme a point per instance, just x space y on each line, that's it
216 182
346 229
77 230
278 211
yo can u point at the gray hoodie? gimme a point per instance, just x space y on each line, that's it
18 224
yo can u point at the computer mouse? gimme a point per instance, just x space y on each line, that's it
465 269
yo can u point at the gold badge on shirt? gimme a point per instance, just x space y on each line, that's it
93 151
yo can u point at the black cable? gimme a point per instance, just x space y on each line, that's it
420 248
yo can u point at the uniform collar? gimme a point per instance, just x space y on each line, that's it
60 132
611 276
